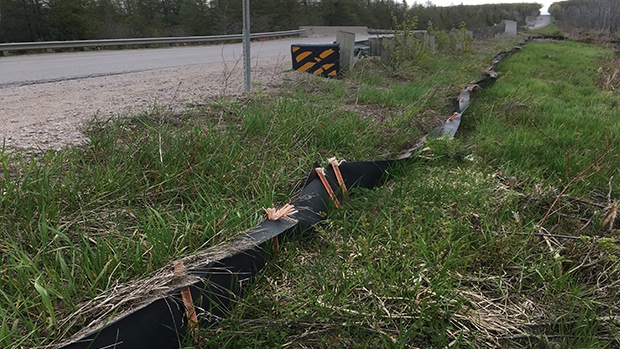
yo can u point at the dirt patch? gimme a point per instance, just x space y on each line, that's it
53 115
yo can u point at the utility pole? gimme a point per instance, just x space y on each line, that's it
246 46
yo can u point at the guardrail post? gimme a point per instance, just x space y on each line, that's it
387 48
246 46
346 41
430 40
375 47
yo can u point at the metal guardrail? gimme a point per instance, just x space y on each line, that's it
380 31
389 31
45 45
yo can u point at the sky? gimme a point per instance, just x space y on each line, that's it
545 3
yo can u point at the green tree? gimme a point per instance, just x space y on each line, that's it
227 16
69 20
21 20
194 14
110 20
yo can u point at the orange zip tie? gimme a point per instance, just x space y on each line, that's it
284 212
453 116
274 215
321 172
335 165
188 302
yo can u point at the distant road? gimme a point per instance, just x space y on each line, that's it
542 21
51 67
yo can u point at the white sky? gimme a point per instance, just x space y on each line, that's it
545 3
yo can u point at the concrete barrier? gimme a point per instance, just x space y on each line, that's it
511 27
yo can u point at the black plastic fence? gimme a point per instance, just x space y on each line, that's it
158 318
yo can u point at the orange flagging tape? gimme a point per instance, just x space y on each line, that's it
188 302
453 116
321 172
335 165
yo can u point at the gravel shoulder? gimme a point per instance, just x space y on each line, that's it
53 115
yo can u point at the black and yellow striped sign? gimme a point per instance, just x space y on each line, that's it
317 59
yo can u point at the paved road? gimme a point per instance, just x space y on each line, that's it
41 68
542 21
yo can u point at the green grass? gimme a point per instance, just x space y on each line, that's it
551 29
154 187
566 121
442 253
445 253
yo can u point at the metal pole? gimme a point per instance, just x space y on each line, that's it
246 45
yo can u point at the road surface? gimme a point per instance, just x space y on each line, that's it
542 21
42 68
46 99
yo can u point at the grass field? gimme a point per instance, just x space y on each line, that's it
550 29
465 247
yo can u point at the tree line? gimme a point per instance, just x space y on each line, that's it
476 16
45 20
588 15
